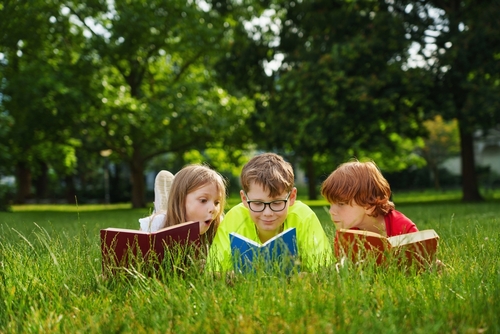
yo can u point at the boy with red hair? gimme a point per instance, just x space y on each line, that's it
359 198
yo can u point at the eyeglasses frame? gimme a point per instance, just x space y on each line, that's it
267 203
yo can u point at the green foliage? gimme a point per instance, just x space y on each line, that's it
458 42
443 140
227 163
341 91
133 77
442 143
45 85
155 93
348 87
161 78
51 282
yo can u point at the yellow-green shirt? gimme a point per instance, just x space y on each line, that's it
314 247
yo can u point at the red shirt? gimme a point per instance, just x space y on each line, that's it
397 223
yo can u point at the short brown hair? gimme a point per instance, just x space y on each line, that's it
270 171
359 181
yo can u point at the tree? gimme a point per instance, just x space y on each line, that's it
156 95
132 77
341 89
44 81
441 143
6 124
460 45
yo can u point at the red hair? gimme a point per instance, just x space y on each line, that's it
362 182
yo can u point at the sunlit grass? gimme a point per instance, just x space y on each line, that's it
430 195
69 208
50 282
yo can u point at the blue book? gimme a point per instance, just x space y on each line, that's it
278 253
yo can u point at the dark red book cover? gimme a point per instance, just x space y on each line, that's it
127 247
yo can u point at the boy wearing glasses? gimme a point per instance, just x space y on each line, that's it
268 207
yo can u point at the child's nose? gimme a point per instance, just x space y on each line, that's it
211 208
267 210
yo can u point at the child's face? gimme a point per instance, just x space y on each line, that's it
348 216
268 221
203 205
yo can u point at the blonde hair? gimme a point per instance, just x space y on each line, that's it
362 182
187 180
270 171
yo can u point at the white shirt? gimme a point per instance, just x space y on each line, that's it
152 223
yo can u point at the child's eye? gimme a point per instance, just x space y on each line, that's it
203 200
217 203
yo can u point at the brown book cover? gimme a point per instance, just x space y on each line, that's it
127 247
412 248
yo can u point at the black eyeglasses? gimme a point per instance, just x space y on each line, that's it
276 206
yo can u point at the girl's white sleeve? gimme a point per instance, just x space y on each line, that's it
152 223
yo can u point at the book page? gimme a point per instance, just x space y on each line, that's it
362 232
128 230
405 239
277 236
173 227
125 230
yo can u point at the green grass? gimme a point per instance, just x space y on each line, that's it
50 282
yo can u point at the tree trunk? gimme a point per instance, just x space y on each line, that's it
470 189
138 184
117 190
23 176
70 189
41 181
435 174
311 178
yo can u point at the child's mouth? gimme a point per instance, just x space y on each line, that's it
268 222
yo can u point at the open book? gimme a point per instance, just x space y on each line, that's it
126 247
278 253
417 248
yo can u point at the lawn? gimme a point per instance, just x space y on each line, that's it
50 267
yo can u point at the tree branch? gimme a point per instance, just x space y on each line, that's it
74 12
186 65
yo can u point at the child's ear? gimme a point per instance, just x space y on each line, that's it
293 196
243 198
369 210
